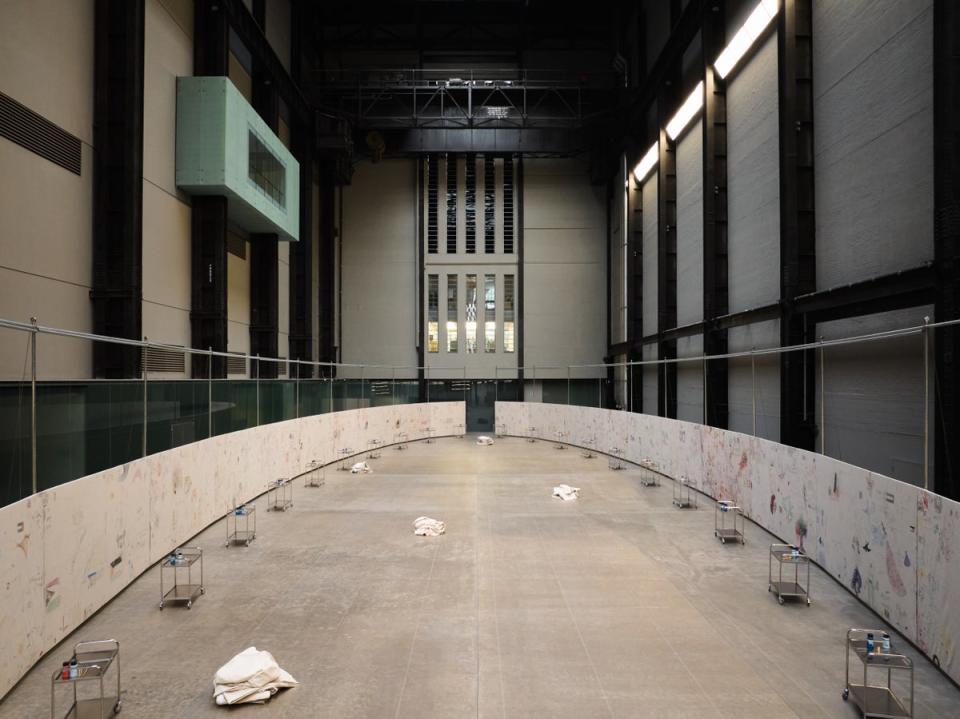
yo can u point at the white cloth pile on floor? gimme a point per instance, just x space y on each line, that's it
361 468
483 440
427 527
252 676
566 492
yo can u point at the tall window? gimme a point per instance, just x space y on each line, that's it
452 313
432 204
489 206
433 313
508 205
451 204
266 171
471 306
508 321
470 199
490 313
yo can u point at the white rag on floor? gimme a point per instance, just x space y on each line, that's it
253 676
566 492
427 527
484 440
361 468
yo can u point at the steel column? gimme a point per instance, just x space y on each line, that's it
667 266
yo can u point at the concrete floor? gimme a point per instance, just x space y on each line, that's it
618 605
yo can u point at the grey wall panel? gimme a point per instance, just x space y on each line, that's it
649 373
740 382
753 167
564 283
690 226
379 301
873 119
690 380
874 396
650 257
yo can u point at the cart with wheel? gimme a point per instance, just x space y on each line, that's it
650 477
500 429
344 453
876 700
314 477
560 442
181 562
684 497
615 458
531 434
589 446
721 529
789 555
280 495
91 661
242 532
373 449
430 432
400 440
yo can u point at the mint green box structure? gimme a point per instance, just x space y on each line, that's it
216 130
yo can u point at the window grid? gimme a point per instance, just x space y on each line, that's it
508 205
452 308
451 204
470 198
508 317
490 313
489 206
471 314
433 313
432 187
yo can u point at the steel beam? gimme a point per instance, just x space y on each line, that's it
326 260
666 267
946 153
797 225
117 290
208 314
633 349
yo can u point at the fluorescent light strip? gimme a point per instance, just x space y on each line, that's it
647 163
746 36
688 110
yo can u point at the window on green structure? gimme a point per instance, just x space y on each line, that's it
266 171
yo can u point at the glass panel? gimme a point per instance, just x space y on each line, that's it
16 481
433 313
452 308
266 171
490 313
176 413
234 405
471 306
508 333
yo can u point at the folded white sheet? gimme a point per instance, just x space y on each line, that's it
361 468
427 527
484 440
566 492
252 676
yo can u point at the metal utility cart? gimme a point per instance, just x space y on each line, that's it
500 429
588 448
789 555
560 440
180 561
430 432
876 700
684 497
721 531
615 460
344 454
650 477
460 433
314 476
531 431
373 451
242 532
92 661
400 440
279 495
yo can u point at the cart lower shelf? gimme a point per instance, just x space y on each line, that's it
241 537
789 589
90 708
731 535
282 505
182 594
877 702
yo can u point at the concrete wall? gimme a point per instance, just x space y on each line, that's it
873 119
379 235
564 286
830 509
56 577
46 212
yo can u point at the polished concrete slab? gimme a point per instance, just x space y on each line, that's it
617 605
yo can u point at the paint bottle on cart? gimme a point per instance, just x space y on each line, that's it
870 643
73 668
886 643
65 672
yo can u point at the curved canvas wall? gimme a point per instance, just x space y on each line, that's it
67 551
894 545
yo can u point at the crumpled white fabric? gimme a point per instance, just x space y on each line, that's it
253 676
427 527
484 440
566 492
361 468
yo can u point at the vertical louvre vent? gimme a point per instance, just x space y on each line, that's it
508 205
432 186
282 368
162 359
489 206
471 204
34 132
237 364
451 204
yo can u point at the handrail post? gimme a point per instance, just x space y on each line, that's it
144 356
296 391
823 427
209 392
753 391
258 389
926 403
33 406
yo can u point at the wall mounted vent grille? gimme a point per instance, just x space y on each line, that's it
508 205
36 133
282 369
161 359
471 204
489 206
237 364
451 204
432 185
